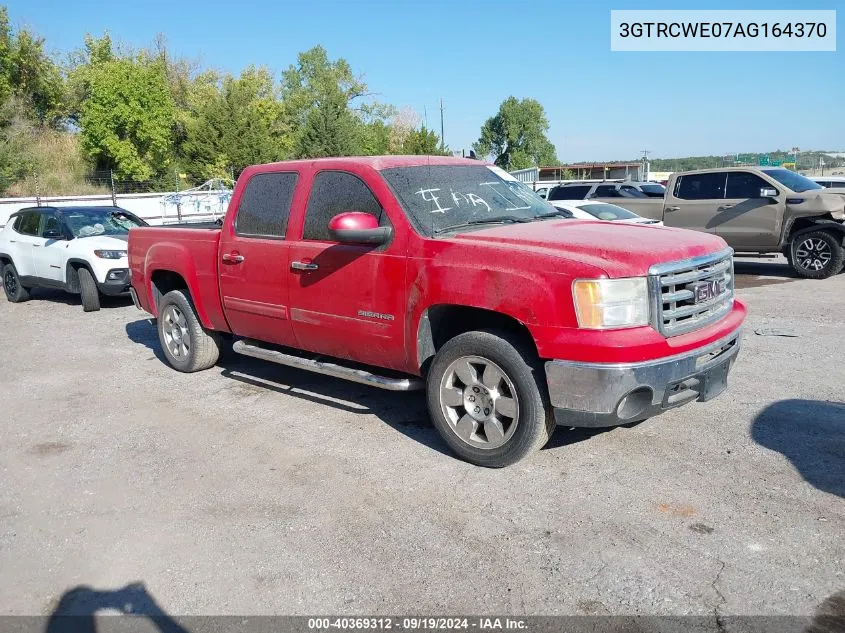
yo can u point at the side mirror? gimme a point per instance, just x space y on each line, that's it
354 227
768 192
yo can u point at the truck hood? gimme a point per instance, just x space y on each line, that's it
621 250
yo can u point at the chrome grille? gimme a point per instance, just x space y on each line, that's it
675 309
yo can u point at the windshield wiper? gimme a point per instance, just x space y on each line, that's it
504 219
560 213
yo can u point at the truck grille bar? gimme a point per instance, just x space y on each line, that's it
690 294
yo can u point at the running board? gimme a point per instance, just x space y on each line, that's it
329 369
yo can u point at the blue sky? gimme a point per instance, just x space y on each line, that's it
602 105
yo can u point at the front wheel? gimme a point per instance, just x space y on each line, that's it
817 254
88 291
187 346
487 398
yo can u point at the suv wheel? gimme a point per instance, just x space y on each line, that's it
15 292
817 254
487 398
187 346
88 291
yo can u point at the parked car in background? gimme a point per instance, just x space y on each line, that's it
756 210
447 274
81 250
592 210
626 189
830 182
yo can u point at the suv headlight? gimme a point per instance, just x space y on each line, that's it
611 303
110 254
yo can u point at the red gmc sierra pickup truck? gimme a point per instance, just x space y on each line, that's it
446 274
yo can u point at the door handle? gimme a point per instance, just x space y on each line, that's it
725 207
303 266
232 258
673 208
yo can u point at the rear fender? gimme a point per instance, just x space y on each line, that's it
174 257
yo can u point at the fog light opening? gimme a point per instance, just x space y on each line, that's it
634 404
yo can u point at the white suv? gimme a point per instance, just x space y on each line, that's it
79 249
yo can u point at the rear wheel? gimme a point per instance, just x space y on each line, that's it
15 292
817 254
186 344
88 291
487 397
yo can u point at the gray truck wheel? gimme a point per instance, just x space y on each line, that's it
15 292
817 254
186 344
487 398
88 291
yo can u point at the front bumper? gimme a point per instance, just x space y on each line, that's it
116 283
605 394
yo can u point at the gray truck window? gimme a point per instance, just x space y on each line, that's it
743 184
265 205
335 192
28 224
569 193
706 186
607 191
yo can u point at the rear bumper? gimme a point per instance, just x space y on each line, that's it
605 394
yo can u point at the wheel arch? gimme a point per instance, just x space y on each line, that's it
72 273
442 322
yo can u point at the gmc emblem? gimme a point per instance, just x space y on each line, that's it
707 290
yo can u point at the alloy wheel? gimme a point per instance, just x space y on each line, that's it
175 330
813 254
479 400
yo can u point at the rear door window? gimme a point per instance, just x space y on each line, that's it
28 224
335 192
578 192
264 207
706 186
607 191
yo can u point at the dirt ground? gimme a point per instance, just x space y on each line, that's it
256 489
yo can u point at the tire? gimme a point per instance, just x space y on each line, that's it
15 292
88 291
187 346
817 254
470 413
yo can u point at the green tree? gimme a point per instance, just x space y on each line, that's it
516 136
235 122
29 74
422 141
330 129
126 116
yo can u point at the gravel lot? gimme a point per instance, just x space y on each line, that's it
256 489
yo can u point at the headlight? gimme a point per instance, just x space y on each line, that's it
611 303
110 254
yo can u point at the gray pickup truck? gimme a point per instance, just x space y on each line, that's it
756 210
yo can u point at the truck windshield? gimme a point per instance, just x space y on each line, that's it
790 179
438 198
100 221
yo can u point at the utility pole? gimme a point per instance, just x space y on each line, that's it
795 151
645 164
442 137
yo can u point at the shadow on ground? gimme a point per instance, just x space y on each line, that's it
811 434
754 274
60 296
404 412
78 608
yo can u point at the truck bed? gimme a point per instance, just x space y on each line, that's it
187 251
